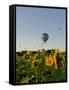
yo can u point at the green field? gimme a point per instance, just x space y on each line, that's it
40 66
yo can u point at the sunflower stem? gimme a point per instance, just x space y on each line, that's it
36 75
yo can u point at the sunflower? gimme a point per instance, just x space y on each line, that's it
55 51
27 55
35 61
61 64
49 61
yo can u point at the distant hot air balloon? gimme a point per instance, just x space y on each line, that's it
59 28
45 37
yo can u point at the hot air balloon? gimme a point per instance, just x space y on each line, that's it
59 28
45 37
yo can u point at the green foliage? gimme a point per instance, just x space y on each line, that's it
27 73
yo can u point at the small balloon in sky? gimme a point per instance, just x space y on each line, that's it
59 28
45 37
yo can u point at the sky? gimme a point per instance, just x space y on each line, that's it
31 23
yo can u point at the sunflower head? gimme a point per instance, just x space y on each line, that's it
61 64
35 63
35 60
27 55
49 61
55 51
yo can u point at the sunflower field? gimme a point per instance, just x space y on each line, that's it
40 66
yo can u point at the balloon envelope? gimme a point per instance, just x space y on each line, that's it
45 37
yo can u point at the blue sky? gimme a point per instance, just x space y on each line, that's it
32 22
